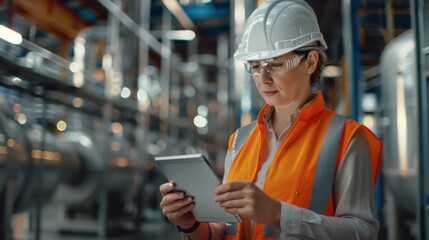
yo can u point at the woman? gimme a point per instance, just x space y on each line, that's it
299 171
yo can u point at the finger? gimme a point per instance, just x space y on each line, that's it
236 203
178 207
166 188
184 210
228 196
171 198
233 186
176 215
240 207
228 187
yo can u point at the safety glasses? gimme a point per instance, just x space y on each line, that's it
274 66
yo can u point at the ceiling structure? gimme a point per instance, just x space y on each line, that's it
211 19
378 22
381 21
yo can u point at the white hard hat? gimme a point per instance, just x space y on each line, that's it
278 27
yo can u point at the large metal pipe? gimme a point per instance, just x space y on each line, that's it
72 166
19 161
24 152
398 99
81 186
41 150
398 109
83 161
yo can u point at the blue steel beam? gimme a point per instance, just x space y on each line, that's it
351 48
419 10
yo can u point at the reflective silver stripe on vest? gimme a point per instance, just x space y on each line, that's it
240 137
324 179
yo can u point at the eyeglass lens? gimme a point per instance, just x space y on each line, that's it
273 66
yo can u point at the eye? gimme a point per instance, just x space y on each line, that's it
277 65
254 65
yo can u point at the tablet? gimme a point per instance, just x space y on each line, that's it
194 175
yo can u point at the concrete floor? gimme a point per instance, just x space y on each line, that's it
160 231
55 227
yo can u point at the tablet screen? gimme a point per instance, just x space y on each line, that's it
194 175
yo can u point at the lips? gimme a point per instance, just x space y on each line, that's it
269 93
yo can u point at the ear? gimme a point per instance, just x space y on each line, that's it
312 61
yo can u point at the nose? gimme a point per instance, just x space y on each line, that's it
265 76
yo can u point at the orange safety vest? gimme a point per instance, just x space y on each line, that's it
303 169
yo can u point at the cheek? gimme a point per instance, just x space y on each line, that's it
298 73
288 81
295 79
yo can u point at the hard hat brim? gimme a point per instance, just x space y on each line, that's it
262 55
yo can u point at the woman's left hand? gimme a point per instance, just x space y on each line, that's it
247 200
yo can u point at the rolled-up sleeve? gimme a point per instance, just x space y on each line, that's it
354 200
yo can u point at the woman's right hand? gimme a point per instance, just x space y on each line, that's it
176 206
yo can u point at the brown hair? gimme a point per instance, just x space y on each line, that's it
317 74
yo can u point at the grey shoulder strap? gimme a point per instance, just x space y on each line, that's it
325 172
240 137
